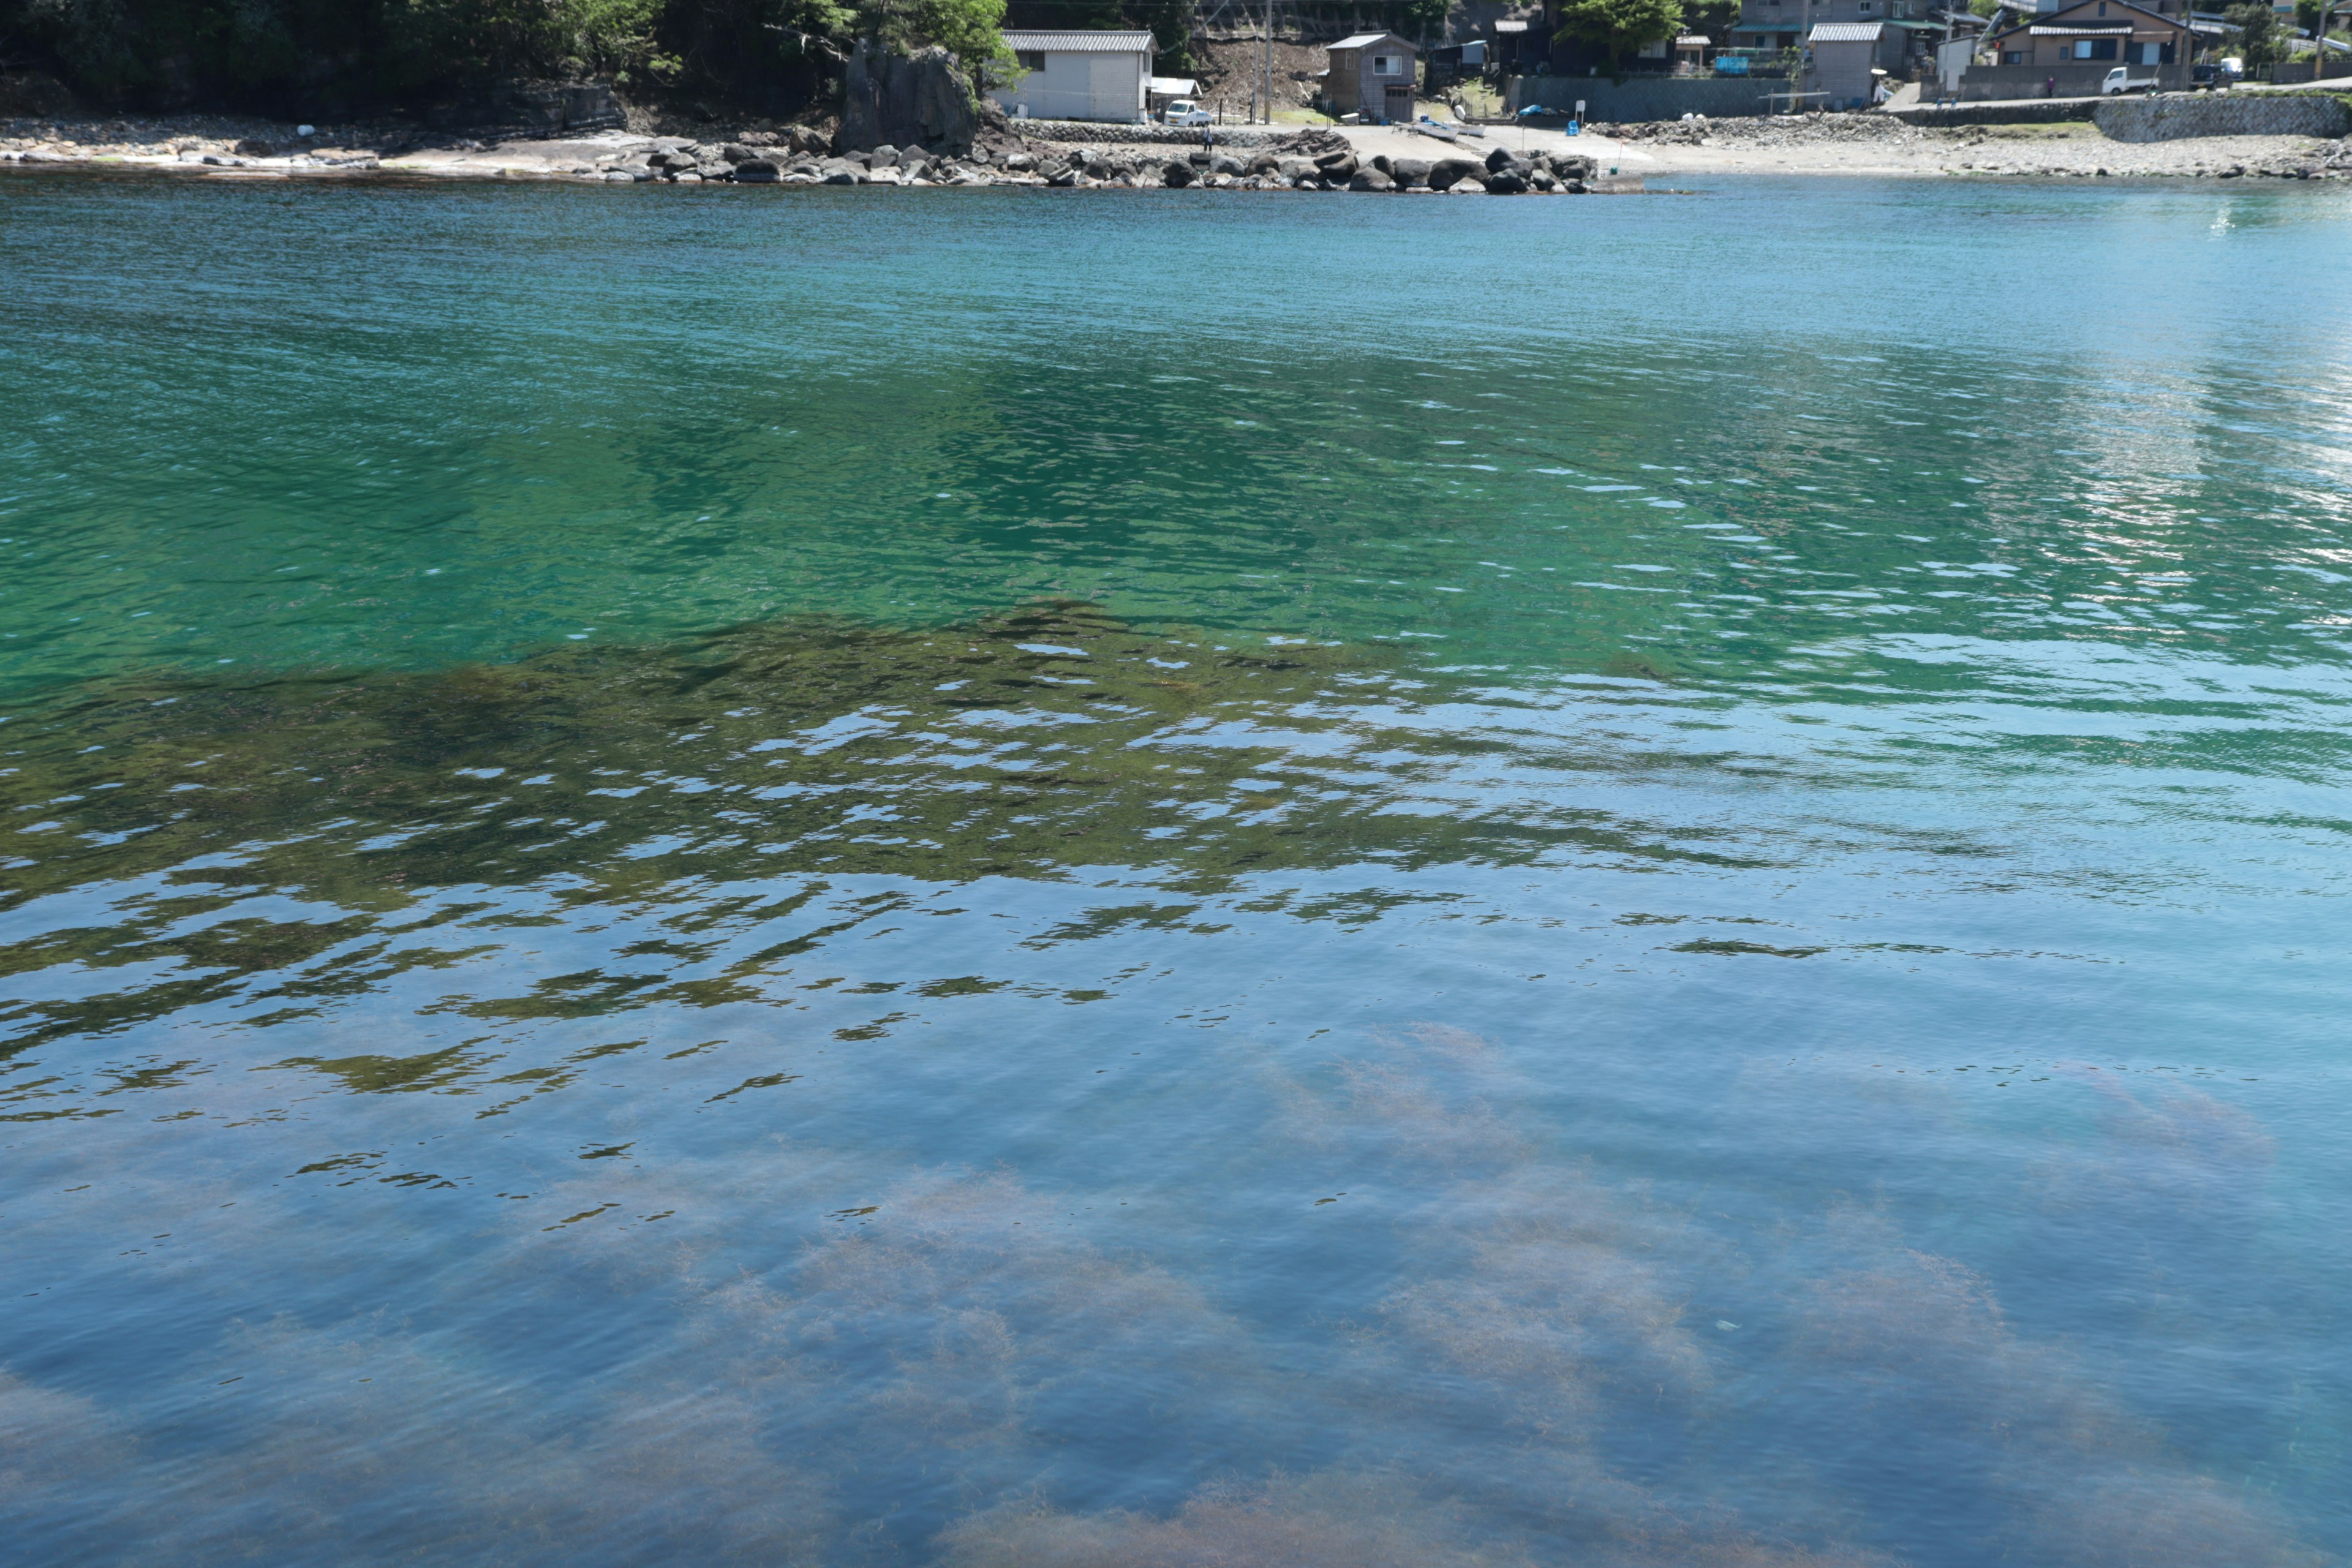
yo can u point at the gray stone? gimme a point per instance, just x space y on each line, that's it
1409 172
1064 178
1502 158
1178 174
920 100
757 172
1506 181
882 155
1371 180
1019 162
1226 164
1337 166
736 152
1468 187
1295 169
1574 166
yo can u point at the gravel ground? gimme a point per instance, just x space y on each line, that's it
1866 144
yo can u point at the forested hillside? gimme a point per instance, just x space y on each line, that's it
324 58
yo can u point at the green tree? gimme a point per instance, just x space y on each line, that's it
2260 39
970 30
1617 26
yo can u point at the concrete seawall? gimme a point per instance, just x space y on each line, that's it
1644 98
2172 116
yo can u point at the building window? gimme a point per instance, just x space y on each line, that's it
1385 65
1868 6
2012 57
1033 60
2094 48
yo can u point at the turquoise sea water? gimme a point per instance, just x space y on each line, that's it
1015 878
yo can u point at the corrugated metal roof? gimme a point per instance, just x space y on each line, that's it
1366 41
1692 41
2112 32
1081 43
1844 32
1174 85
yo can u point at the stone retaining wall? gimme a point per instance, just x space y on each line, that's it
2011 111
2170 117
1102 132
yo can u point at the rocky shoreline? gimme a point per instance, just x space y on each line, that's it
998 152
1304 160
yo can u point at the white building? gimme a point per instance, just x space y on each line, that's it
1080 76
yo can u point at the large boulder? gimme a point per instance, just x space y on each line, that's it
1226 164
1574 166
1371 180
900 101
1338 167
1506 181
1502 158
1447 173
758 171
1178 173
1409 172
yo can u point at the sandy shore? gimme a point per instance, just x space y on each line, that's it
1809 144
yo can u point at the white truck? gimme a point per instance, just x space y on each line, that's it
1185 111
2121 79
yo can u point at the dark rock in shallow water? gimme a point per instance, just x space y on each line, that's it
1338 166
1178 173
1502 158
1506 181
1446 173
1574 166
253 147
1409 172
757 172
1226 164
1371 180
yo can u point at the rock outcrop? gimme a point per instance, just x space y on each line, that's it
922 100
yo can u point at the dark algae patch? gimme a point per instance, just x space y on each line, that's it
1030 744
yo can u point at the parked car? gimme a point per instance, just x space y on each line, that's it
1185 111
2121 79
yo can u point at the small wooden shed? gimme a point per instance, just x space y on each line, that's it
1372 74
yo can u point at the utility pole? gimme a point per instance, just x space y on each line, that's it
1267 67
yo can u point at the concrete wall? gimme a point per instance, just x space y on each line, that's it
1644 98
2079 79
2222 115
